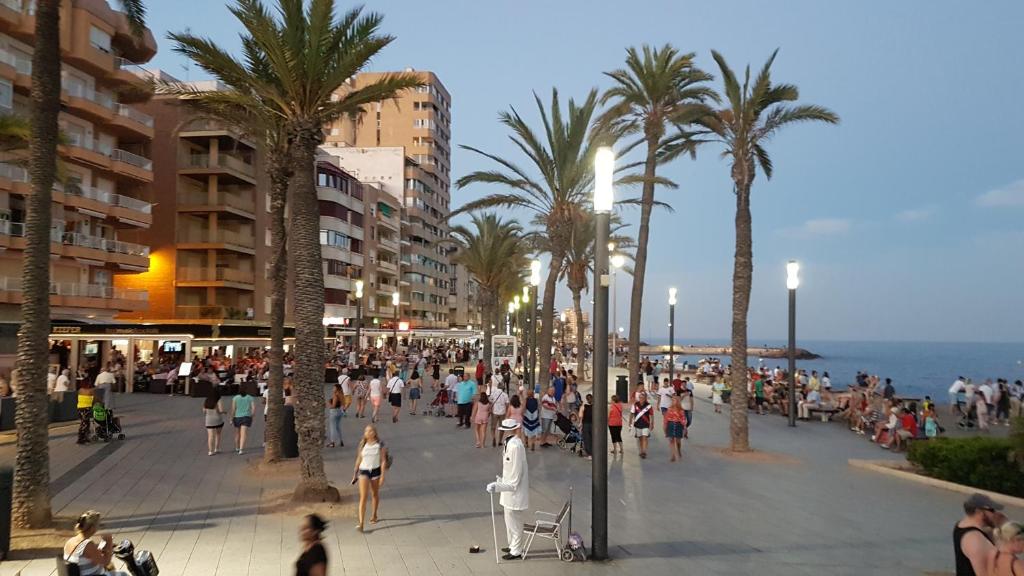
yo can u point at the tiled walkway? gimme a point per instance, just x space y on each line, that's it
805 512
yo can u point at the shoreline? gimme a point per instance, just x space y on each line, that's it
754 351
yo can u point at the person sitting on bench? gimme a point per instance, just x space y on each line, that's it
813 400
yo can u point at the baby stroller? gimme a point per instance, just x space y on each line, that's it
572 437
437 405
108 426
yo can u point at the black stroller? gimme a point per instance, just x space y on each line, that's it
108 426
572 438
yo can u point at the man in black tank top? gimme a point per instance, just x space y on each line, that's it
971 535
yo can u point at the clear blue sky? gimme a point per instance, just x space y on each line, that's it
907 218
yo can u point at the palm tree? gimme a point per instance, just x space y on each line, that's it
492 251
246 113
303 58
658 90
751 115
31 495
563 157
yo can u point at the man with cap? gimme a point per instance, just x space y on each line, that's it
514 486
972 539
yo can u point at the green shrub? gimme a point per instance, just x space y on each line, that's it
981 462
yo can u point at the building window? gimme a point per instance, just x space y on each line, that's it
336 239
99 39
6 94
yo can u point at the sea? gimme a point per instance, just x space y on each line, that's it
916 368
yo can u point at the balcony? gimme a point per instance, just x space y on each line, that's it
107 245
387 267
238 201
132 165
88 150
221 163
212 312
131 75
203 128
88 103
128 123
104 201
73 294
200 239
215 276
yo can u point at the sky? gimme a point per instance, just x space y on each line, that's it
906 218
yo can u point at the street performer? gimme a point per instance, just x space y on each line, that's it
514 486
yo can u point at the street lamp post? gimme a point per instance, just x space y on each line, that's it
671 334
792 283
359 316
508 318
604 170
527 332
561 317
617 260
395 299
534 283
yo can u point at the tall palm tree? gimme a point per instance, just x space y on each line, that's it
31 495
308 55
657 92
752 114
563 158
492 251
246 113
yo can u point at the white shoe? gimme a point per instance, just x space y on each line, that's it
209 453
239 451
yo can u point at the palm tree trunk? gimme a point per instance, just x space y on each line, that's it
31 497
279 179
742 277
547 313
640 264
487 317
309 329
577 296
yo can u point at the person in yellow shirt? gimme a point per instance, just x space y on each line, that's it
815 382
85 400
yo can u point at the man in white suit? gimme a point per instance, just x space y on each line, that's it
514 486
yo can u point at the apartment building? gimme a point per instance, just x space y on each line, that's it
568 330
102 209
207 261
415 131
463 298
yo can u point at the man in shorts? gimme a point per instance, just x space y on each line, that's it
641 418
395 387
548 409
499 407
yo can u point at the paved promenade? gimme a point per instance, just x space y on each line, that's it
796 509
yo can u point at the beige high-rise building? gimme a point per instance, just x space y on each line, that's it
102 211
404 146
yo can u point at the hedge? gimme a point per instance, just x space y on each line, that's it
981 462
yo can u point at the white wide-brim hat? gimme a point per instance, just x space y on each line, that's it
508 425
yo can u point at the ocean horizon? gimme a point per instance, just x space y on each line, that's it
916 368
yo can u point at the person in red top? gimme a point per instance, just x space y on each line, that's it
480 368
907 431
615 424
675 428
553 368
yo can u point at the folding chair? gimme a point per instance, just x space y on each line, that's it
549 529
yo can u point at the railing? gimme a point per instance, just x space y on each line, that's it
85 93
221 236
95 145
134 115
228 161
13 172
133 204
133 159
10 284
8 228
8 58
97 243
12 4
96 291
219 274
387 311
22 65
215 311
91 193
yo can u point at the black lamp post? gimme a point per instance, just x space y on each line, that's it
671 334
604 170
792 283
